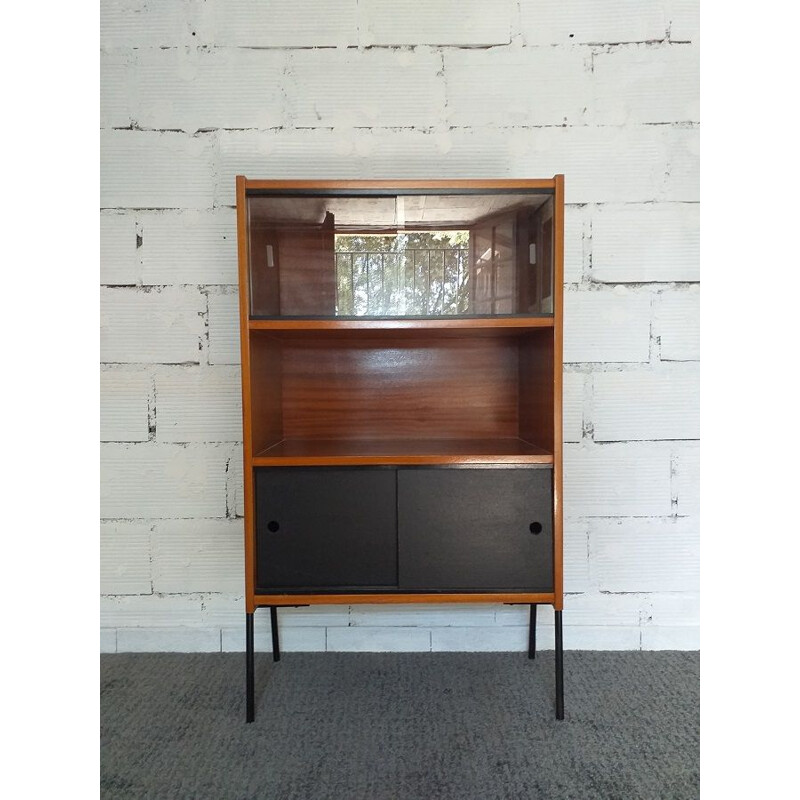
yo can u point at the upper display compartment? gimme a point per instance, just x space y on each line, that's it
406 254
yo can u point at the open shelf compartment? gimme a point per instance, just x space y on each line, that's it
371 397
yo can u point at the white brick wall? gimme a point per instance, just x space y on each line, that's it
577 242
646 243
152 169
163 480
195 91
646 555
484 86
617 480
223 329
125 558
157 326
453 22
199 405
118 262
135 23
592 21
280 23
663 404
348 88
647 84
125 404
686 478
677 325
189 89
573 391
198 555
607 326
197 247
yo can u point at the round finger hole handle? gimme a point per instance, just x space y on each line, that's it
273 526
536 527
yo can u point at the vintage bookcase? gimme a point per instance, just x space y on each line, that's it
401 382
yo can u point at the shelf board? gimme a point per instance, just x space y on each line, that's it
351 452
446 326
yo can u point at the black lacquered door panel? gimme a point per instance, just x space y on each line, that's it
326 528
475 529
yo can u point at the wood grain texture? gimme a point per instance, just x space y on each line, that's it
456 388
247 409
500 326
266 392
308 271
354 599
265 281
558 397
332 452
506 183
536 389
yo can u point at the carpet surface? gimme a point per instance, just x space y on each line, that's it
391 726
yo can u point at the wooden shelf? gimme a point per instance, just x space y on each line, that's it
407 451
444 326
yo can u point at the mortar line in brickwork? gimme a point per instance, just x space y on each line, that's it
156 520
635 287
185 595
604 47
665 442
419 129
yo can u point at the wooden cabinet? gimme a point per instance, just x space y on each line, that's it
401 384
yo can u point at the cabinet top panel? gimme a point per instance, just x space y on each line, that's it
256 186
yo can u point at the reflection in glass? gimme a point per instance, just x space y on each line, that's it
401 256
417 273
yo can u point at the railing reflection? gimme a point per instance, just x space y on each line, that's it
412 282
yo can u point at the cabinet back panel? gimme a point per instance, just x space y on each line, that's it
433 388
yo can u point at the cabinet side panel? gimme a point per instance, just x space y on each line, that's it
558 378
247 432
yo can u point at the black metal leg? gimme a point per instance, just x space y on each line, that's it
532 633
273 618
251 705
559 668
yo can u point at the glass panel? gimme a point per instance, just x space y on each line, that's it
415 255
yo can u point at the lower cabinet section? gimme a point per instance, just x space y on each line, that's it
404 529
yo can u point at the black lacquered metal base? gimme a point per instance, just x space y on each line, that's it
250 657
249 669
532 632
273 619
559 668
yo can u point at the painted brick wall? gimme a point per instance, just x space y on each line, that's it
196 91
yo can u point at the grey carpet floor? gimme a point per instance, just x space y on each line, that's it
421 726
